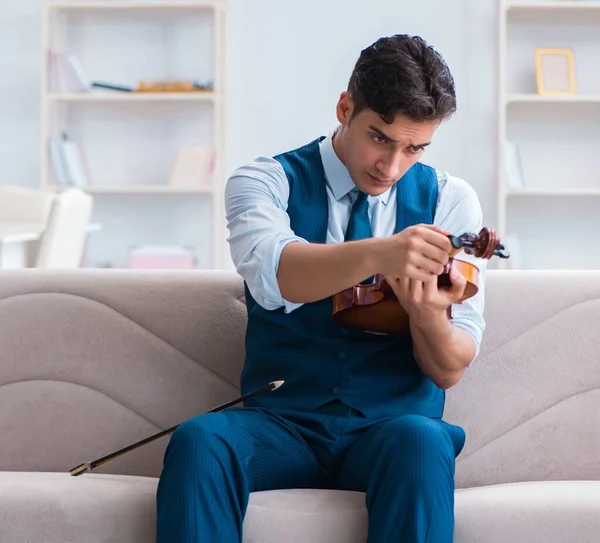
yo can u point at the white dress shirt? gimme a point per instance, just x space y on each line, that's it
256 198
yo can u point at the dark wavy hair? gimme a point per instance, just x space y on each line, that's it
404 75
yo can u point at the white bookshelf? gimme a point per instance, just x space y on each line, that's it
131 139
554 192
534 98
99 96
133 4
557 5
148 189
551 216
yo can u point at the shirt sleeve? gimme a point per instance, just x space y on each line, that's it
256 199
459 211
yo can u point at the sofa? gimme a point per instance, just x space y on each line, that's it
95 360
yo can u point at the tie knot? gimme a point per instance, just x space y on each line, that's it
362 196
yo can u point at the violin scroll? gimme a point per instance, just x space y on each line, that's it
483 245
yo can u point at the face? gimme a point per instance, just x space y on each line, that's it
375 153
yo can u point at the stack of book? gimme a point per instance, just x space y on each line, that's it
69 162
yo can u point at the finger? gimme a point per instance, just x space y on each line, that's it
416 286
417 273
416 291
428 265
453 293
439 229
404 285
459 282
430 287
435 230
434 253
396 284
436 245
430 290
400 286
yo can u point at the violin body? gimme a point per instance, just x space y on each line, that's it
374 307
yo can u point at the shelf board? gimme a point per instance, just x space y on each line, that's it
147 189
133 97
144 189
123 4
546 99
570 5
554 192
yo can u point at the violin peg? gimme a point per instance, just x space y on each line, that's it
456 241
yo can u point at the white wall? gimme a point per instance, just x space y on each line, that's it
20 110
286 68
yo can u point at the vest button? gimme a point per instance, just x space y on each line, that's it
336 390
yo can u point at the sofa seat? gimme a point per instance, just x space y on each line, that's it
529 512
94 508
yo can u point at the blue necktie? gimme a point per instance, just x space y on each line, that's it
359 225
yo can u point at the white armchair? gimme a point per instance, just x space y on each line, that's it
63 242
24 205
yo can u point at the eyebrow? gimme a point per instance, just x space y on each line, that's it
387 138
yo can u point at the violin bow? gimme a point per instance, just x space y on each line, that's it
89 466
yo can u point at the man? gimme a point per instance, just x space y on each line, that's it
358 411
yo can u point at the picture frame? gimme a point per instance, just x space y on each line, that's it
555 71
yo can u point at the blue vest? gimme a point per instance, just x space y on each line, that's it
318 359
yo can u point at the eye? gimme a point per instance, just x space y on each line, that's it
378 139
415 150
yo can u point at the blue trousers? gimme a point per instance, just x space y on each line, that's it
213 461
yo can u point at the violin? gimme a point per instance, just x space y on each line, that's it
374 307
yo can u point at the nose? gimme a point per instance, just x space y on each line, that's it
391 165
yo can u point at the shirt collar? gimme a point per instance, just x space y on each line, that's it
337 175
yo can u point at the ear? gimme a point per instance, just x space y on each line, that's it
344 108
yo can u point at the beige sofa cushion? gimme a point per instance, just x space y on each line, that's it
530 512
93 508
94 360
59 508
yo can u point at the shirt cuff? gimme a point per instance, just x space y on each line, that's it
474 331
267 277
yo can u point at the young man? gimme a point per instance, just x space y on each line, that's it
357 411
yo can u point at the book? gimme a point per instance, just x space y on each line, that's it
193 167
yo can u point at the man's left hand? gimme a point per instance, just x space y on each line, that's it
423 300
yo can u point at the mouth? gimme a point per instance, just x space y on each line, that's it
380 182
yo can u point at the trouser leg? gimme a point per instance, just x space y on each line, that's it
214 461
406 467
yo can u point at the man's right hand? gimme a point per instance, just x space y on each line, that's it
417 252
312 271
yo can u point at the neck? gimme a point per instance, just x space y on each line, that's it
338 146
